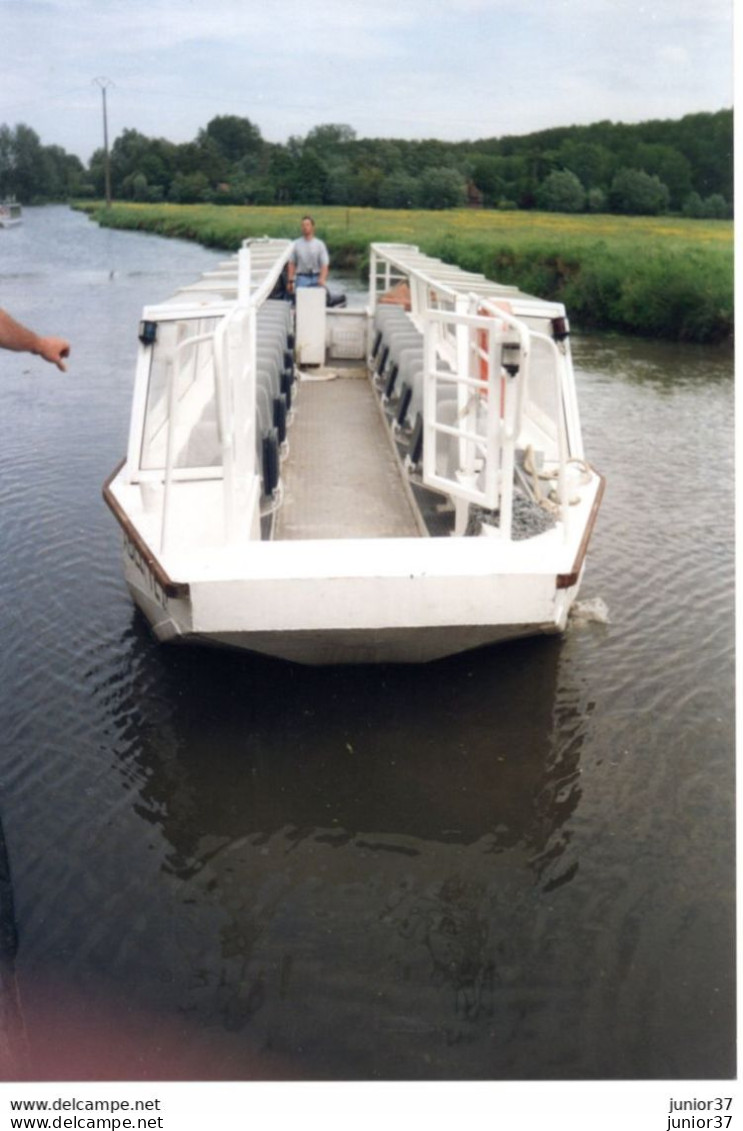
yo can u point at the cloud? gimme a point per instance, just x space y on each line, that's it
419 68
677 56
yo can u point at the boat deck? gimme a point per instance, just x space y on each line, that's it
341 477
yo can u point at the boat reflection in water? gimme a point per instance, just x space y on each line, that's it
371 853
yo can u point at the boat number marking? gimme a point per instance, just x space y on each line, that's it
143 567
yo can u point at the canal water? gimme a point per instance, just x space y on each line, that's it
513 865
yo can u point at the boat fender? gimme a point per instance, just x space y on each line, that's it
290 343
390 386
287 380
415 451
288 359
402 411
377 344
270 443
279 416
383 360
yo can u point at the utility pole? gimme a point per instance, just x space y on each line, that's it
104 83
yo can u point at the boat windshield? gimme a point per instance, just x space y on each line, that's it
181 381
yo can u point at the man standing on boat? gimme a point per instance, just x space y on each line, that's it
14 336
309 261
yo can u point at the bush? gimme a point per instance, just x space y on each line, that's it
398 190
693 206
441 188
596 200
561 191
713 207
716 207
636 193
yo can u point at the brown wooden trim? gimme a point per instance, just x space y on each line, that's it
568 580
169 587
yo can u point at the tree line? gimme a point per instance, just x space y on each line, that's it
681 166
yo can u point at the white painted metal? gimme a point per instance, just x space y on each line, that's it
311 308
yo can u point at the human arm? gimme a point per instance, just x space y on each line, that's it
14 336
324 266
291 270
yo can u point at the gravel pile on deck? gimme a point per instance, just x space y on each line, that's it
528 519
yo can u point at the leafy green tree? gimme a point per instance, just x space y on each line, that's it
366 184
309 178
339 182
30 171
66 173
442 188
593 165
670 166
136 185
133 153
329 138
7 161
189 188
638 194
280 173
487 175
561 191
596 200
398 190
262 191
716 207
233 136
693 206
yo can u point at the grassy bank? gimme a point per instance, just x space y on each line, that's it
656 276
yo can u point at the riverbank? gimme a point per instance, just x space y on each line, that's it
663 277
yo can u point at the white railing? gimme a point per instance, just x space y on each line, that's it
466 354
478 425
233 344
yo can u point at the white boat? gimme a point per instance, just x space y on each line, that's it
11 214
394 483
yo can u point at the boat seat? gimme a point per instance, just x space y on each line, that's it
388 314
408 361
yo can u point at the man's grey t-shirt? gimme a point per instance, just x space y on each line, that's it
309 256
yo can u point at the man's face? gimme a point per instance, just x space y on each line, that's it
308 229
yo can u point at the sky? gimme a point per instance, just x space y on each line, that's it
448 69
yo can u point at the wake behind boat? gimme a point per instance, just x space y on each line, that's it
395 483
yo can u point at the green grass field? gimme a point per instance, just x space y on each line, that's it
658 276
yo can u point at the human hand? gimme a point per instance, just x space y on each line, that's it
54 350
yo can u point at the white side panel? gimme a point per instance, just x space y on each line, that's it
302 604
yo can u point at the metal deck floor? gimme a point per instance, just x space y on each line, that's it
341 477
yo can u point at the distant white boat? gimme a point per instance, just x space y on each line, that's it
11 214
395 483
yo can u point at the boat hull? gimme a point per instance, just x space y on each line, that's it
380 646
201 617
